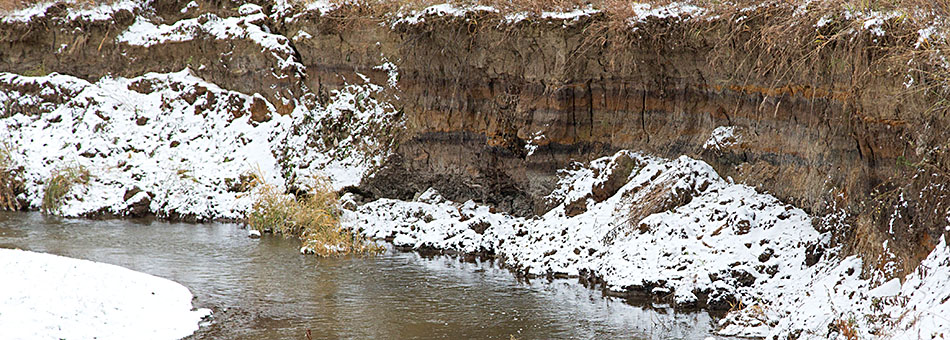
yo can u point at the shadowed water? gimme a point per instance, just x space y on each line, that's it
264 289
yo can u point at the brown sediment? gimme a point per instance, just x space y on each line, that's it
826 122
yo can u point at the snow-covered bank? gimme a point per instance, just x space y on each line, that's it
175 145
669 228
675 230
46 296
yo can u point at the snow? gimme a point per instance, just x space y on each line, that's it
189 6
357 135
722 137
889 288
144 33
46 296
874 21
676 246
669 227
248 9
839 291
322 6
249 26
570 15
677 230
933 34
75 11
28 13
154 142
440 10
102 12
155 145
644 11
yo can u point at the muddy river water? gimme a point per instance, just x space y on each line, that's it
264 289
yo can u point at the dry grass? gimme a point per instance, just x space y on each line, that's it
782 38
623 9
846 328
59 184
10 185
314 219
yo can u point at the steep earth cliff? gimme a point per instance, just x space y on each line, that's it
779 151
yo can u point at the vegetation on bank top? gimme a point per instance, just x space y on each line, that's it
911 35
904 39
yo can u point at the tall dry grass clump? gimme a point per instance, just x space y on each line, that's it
10 185
60 182
314 219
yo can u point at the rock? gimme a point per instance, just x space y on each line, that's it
743 277
576 208
813 254
617 178
479 227
137 202
253 233
259 111
743 227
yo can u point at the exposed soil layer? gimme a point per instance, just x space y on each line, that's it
493 108
838 132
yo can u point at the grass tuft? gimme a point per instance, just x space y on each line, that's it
315 219
846 328
10 185
59 184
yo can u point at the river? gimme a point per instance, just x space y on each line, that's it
264 289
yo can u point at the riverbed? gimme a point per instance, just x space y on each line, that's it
264 289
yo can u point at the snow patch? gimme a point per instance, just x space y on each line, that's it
75 10
722 137
441 10
46 296
645 11
145 33
146 142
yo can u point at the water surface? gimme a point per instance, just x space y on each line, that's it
264 289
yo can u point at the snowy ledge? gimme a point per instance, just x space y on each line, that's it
45 296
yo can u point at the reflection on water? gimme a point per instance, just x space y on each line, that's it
397 295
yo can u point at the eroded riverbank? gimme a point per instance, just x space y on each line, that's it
774 153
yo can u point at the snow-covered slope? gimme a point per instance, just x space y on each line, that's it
46 296
173 144
179 146
678 233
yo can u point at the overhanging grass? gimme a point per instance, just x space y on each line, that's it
314 219
782 36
